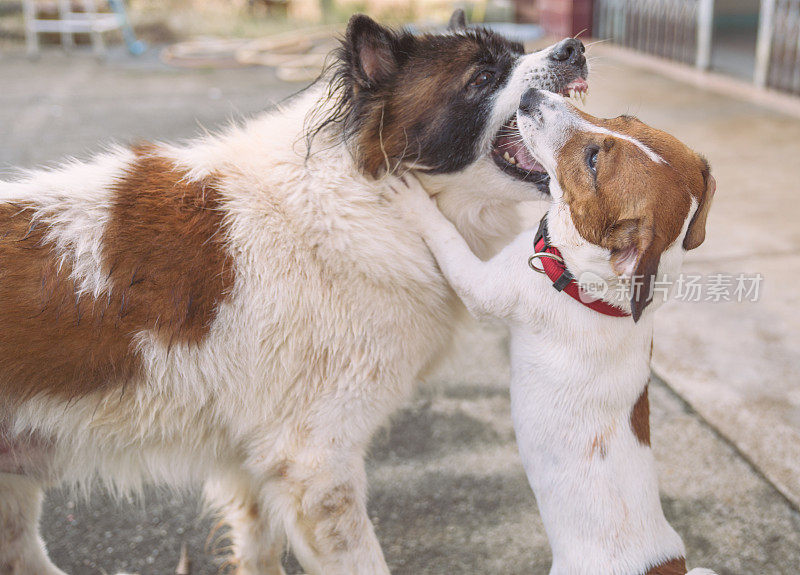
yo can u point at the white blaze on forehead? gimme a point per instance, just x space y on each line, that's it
589 127
558 121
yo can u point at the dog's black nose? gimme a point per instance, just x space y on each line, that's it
569 50
530 100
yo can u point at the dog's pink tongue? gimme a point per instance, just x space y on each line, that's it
527 162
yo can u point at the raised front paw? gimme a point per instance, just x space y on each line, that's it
411 198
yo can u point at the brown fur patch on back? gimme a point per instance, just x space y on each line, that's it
165 258
401 97
675 566
165 250
640 418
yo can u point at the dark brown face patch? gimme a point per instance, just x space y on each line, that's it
434 111
164 255
423 99
675 566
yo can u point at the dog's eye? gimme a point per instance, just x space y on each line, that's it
591 160
482 78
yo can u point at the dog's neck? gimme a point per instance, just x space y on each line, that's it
486 219
590 264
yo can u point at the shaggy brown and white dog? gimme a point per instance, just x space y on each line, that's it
247 309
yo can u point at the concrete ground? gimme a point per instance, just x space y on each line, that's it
448 494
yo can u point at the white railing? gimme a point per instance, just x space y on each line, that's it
675 29
68 23
681 30
778 48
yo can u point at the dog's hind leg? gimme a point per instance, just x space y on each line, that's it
22 550
321 495
257 542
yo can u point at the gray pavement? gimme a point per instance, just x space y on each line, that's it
448 493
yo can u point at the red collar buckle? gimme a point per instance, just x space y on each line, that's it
553 267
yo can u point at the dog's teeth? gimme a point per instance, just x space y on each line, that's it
509 158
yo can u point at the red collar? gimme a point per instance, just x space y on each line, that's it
553 265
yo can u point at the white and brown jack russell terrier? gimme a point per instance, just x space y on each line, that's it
628 201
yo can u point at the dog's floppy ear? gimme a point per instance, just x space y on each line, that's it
635 254
696 232
458 21
370 50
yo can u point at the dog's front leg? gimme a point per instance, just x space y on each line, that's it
486 288
21 548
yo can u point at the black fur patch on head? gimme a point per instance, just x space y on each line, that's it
425 99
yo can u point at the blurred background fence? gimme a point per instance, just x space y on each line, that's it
755 40
758 40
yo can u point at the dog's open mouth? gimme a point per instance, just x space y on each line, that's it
512 156
510 153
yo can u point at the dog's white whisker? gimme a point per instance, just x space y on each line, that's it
598 42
